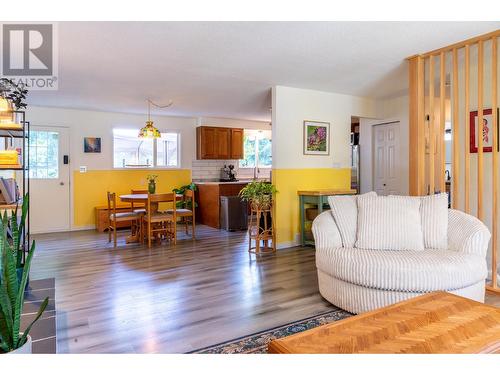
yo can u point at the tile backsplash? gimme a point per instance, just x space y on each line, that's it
210 169
203 170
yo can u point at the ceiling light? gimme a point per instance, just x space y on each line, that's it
149 131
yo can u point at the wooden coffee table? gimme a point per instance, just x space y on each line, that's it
438 322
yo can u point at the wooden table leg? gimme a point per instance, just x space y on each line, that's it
302 221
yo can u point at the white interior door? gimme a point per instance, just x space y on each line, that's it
49 179
386 175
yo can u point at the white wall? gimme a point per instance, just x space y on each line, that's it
395 109
100 124
291 106
233 123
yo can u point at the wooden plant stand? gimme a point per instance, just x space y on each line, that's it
261 229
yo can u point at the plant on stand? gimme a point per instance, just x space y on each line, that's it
152 183
259 194
12 290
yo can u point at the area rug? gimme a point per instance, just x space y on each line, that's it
256 343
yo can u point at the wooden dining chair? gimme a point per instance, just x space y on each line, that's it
115 217
162 223
187 215
139 209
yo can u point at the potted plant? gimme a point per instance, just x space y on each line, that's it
185 203
259 194
151 183
17 233
12 340
14 93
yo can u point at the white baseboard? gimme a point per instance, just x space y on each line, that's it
287 244
83 227
50 231
73 229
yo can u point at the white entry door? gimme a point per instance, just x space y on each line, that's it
386 176
49 179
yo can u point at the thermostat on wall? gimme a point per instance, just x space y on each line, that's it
83 169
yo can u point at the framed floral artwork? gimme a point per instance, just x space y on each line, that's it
316 138
487 130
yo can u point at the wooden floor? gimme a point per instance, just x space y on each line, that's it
172 299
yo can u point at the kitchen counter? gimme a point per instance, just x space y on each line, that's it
229 182
208 195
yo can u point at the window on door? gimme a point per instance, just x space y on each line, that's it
257 149
44 155
130 151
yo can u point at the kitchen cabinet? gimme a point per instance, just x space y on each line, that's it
219 143
208 198
236 144
223 140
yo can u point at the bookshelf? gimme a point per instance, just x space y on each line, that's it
19 128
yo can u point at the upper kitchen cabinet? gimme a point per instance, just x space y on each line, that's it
223 140
206 145
236 143
219 143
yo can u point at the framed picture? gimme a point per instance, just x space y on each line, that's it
91 144
487 130
316 138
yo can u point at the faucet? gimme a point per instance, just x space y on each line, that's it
256 172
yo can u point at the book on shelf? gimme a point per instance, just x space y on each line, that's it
9 157
10 125
9 192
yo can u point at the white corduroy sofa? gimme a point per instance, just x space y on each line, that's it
359 280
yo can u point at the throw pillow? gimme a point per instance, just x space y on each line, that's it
345 213
434 212
389 223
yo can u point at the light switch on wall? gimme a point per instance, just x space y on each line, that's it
83 169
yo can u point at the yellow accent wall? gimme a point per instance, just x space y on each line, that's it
89 189
288 182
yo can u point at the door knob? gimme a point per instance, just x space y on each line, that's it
385 185
61 183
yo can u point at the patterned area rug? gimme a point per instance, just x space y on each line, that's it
257 343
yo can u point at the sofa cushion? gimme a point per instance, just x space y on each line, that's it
405 271
389 223
434 212
345 213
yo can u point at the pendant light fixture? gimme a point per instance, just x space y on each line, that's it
149 131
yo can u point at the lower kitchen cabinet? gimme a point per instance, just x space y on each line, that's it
208 198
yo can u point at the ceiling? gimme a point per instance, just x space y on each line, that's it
226 69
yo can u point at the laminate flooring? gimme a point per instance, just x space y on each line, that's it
171 299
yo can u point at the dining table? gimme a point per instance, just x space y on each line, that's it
141 200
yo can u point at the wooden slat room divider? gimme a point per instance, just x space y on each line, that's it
445 99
